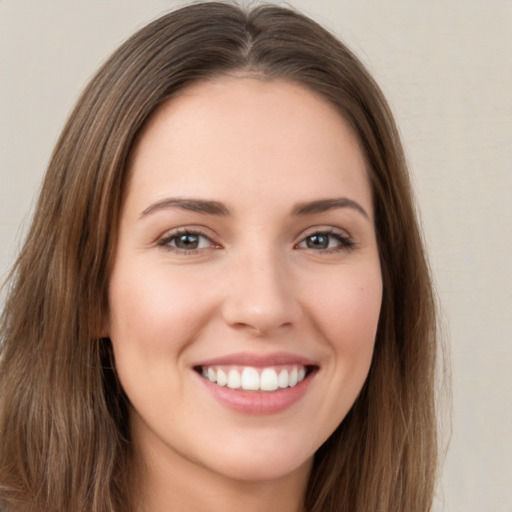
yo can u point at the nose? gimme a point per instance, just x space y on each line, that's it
260 296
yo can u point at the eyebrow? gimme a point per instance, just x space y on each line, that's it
217 208
324 205
194 205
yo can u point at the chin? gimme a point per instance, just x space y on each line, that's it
270 469
259 463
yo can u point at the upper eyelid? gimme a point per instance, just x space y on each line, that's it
194 229
331 234
345 239
165 242
176 234
215 238
325 229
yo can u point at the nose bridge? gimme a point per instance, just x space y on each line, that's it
260 295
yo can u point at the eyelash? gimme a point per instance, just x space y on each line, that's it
346 243
166 241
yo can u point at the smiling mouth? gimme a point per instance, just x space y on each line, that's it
249 378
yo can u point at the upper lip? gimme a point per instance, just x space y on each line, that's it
257 360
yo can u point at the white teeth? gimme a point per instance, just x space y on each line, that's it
212 375
283 379
251 379
292 379
269 380
222 378
234 381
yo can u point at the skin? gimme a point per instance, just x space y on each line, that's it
255 284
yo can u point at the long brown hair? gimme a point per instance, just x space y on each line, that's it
64 438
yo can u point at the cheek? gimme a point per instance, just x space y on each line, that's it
347 310
152 308
155 314
347 315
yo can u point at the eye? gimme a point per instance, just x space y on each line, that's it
186 241
328 241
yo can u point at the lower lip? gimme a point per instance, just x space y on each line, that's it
258 402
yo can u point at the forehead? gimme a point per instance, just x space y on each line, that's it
245 133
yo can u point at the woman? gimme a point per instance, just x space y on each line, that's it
223 300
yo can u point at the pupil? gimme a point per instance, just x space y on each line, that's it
187 241
318 242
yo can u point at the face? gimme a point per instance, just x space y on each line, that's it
246 286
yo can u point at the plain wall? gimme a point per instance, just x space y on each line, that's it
446 68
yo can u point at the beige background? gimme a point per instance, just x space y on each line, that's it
446 67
